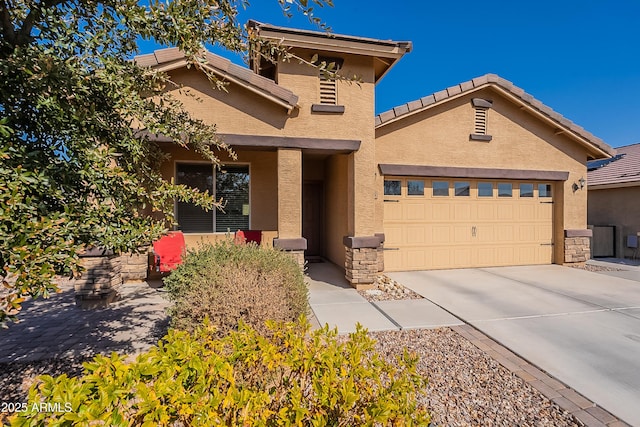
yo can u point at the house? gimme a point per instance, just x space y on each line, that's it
480 174
614 202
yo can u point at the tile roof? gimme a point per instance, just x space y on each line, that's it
492 80
623 169
224 68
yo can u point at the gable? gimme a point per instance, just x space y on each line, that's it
234 110
440 136
594 147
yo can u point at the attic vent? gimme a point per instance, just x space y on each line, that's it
480 117
328 91
480 122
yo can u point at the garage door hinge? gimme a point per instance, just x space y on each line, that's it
547 244
390 249
394 201
549 203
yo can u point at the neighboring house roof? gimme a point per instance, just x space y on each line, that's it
386 52
172 58
598 147
622 170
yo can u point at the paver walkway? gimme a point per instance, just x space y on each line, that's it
57 328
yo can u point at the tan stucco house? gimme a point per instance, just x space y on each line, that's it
480 174
614 203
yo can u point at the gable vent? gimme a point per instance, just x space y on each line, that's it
480 116
328 91
480 122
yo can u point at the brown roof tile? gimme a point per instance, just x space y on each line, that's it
506 85
624 168
223 66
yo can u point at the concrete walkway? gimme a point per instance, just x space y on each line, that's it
336 303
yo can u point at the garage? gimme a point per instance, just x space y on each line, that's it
438 223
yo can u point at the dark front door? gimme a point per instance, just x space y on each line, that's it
312 217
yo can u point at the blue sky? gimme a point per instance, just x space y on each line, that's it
581 58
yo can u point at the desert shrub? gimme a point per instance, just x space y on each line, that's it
228 283
290 376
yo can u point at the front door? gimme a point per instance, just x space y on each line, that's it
313 217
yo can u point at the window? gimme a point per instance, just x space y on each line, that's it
461 188
231 184
440 188
544 190
505 189
485 189
392 187
526 190
415 188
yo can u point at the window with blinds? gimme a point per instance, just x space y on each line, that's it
231 183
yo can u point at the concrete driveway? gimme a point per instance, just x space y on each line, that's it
581 327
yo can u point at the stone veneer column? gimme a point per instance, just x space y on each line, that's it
135 266
98 285
361 262
577 245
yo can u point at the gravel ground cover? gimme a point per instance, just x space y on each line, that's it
594 268
466 386
387 289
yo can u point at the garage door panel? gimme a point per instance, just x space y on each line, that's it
486 211
441 234
393 211
462 212
436 232
393 235
441 211
527 232
462 233
415 211
416 235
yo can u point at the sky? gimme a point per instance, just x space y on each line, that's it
581 58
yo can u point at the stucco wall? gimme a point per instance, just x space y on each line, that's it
238 111
619 207
440 137
336 207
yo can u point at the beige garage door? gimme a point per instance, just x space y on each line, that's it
433 223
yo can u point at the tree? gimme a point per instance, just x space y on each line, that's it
75 169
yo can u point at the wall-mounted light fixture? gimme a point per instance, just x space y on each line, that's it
581 181
579 185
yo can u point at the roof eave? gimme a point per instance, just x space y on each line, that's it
613 185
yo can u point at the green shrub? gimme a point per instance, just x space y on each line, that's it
290 376
229 283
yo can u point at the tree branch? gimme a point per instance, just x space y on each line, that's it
6 27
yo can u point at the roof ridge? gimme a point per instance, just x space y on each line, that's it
477 83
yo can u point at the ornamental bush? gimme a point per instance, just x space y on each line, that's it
229 283
289 377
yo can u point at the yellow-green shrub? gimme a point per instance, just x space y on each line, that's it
230 283
290 377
